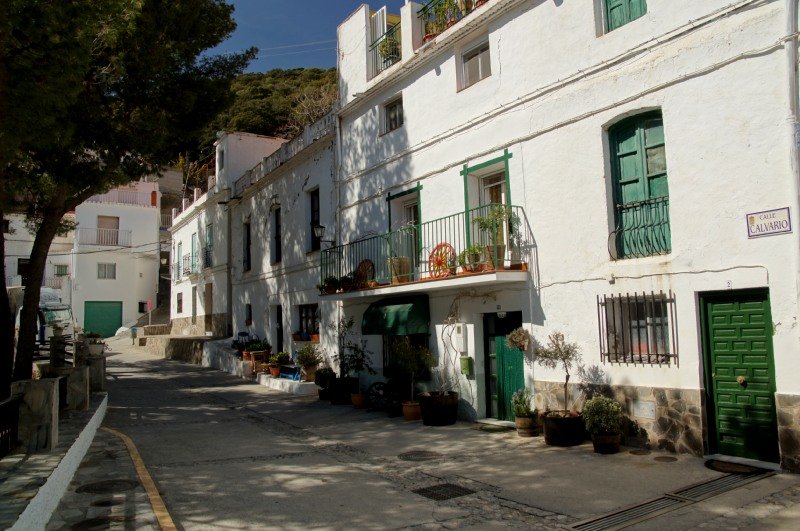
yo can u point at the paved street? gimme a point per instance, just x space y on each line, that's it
226 453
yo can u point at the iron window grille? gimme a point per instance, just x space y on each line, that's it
639 328
309 318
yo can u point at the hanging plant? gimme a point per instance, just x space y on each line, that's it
519 338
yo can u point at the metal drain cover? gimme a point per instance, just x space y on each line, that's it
107 486
419 455
445 491
731 468
665 459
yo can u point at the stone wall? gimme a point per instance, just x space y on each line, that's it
677 426
788 407
183 326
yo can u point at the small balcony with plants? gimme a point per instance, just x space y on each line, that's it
488 244
438 15
386 50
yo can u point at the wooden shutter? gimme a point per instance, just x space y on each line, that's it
620 12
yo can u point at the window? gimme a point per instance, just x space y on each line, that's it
107 230
23 265
475 65
142 306
194 304
60 270
246 246
248 314
194 255
493 189
209 246
393 115
107 271
620 12
220 159
6 226
276 234
279 328
179 303
178 260
640 191
309 319
313 199
637 328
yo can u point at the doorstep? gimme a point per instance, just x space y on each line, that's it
286 385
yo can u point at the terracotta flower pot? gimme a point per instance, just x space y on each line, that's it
411 411
275 370
359 400
309 372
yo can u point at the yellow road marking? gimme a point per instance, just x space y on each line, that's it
159 507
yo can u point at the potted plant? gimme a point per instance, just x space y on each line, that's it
440 408
519 338
329 285
399 264
493 226
447 13
95 343
275 362
309 359
561 427
412 361
324 378
389 50
524 416
356 359
470 259
603 417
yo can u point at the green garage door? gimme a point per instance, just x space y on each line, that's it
102 317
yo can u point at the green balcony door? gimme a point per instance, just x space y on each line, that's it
102 317
740 375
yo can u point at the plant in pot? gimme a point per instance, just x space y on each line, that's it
519 338
413 361
470 259
389 50
346 283
493 225
275 362
355 359
447 13
515 241
440 408
94 343
603 417
400 264
561 427
329 285
524 416
324 378
309 359
352 359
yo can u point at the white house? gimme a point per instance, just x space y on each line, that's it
645 154
201 240
115 258
18 247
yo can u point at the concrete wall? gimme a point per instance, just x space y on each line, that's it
241 151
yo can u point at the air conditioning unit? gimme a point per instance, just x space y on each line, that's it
460 337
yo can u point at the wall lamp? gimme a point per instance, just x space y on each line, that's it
319 232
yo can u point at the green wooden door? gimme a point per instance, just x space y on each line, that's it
102 317
507 377
740 375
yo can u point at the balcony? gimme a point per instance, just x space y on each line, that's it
176 271
642 229
386 50
126 197
166 221
481 245
190 264
108 237
439 15
208 256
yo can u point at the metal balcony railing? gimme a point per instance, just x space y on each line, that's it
208 256
386 50
110 237
176 270
483 239
642 229
190 263
438 15
53 282
126 197
166 221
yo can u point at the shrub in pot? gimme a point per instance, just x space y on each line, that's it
275 362
325 379
561 427
603 417
412 361
353 359
309 359
524 417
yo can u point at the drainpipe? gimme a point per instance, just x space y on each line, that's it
228 270
791 48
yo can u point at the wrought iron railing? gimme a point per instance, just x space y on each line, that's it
190 263
126 197
111 237
438 15
638 328
642 229
208 256
483 239
176 270
386 50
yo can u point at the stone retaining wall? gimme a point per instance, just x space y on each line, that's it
788 407
195 326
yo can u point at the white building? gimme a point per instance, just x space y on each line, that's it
646 151
201 240
115 259
18 247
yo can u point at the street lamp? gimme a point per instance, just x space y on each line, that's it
319 232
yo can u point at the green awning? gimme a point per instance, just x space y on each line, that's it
400 316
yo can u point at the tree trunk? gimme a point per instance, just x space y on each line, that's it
6 328
566 393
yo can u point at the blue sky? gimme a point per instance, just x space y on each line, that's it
293 33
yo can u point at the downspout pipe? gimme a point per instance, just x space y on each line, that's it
793 122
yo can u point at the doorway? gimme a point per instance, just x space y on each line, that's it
504 365
208 307
740 374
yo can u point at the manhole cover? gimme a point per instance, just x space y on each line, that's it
445 491
665 459
99 522
419 455
639 452
107 486
106 503
731 468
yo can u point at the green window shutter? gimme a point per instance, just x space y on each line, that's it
641 192
620 12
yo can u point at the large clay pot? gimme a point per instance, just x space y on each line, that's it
527 426
563 430
606 444
309 372
275 371
439 409
359 400
411 411
96 349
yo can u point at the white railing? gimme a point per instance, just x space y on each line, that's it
53 282
166 221
111 237
125 197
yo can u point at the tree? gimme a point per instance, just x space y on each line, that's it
145 93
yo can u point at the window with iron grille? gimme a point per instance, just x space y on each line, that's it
393 115
107 271
637 328
309 318
179 303
276 237
313 200
246 242
60 270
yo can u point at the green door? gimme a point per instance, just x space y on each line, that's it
506 376
102 317
740 376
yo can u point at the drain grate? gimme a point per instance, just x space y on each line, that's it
670 501
419 455
107 486
443 492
